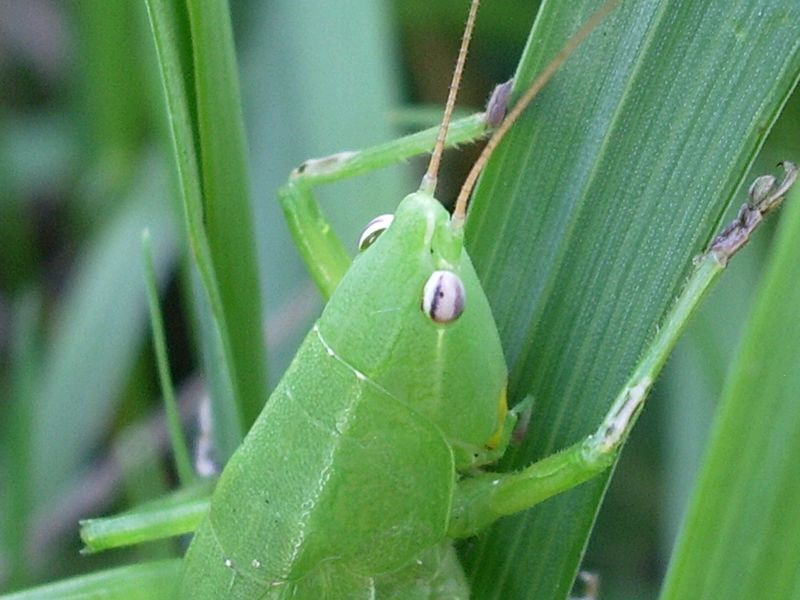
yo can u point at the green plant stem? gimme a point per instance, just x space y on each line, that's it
180 449
227 213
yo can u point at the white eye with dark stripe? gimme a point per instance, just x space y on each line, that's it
373 229
443 297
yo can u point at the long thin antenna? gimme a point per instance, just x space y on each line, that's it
429 180
460 210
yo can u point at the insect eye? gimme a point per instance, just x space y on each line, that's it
443 297
373 230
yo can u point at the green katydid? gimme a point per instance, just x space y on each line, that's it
400 385
369 402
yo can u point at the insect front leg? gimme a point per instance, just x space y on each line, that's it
320 248
481 500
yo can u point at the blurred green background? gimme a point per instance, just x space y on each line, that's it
86 164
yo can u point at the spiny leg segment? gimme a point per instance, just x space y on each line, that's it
483 499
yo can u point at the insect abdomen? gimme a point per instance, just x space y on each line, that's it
334 471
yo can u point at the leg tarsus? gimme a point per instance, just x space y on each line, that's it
497 106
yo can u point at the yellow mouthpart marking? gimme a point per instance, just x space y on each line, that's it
502 411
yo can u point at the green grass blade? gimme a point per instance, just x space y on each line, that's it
180 450
697 370
587 218
227 213
111 79
226 428
146 581
18 500
694 378
169 31
741 536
